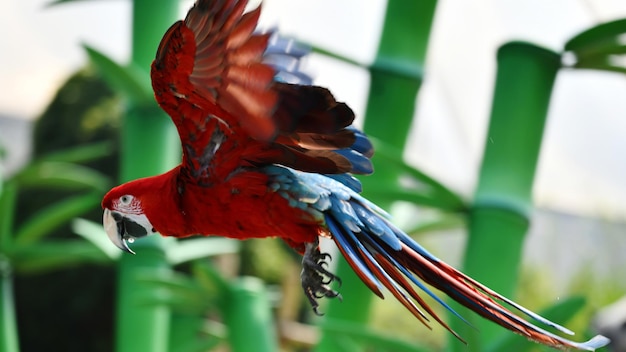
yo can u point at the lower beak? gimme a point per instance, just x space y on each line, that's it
114 226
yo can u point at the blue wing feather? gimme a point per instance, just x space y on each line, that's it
348 180
362 144
285 55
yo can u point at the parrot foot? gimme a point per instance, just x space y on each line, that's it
315 276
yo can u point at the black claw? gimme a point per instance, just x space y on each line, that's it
315 277
323 256
317 312
339 282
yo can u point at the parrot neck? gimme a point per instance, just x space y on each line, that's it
161 202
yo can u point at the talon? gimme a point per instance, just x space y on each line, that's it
323 256
339 282
315 277
317 312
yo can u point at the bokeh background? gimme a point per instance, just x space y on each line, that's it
577 236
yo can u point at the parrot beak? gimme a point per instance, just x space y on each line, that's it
120 229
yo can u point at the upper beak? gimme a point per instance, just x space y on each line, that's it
114 226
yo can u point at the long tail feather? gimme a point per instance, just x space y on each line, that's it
382 255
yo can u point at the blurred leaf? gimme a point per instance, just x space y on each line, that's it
334 55
597 35
597 47
94 233
384 193
52 216
601 52
399 67
188 295
186 334
603 66
128 81
365 335
210 279
564 310
51 255
428 189
446 221
215 329
561 311
61 175
200 247
178 291
83 153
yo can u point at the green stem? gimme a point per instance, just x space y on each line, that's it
8 327
248 317
149 147
140 326
395 81
502 202
184 331
7 214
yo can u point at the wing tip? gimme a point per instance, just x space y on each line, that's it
594 343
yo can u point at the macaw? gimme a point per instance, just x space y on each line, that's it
266 157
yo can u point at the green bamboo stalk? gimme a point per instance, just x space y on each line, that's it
395 82
149 147
185 338
9 341
8 326
7 214
248 317
502 202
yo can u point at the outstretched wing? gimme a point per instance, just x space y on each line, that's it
215 77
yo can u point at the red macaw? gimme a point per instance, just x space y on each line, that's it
263 157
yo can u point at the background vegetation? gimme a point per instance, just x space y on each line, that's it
204 294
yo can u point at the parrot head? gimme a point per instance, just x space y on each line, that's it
124 218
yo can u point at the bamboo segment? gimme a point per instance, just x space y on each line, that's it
395 82
499 218
149 147
248 317
8 326
9 341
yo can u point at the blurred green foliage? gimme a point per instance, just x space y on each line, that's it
209 308
84 111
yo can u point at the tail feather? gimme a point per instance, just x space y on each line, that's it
348 252
396 262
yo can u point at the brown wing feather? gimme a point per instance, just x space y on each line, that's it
311 125
211 66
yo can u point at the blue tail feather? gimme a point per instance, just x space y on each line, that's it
351 256
384 256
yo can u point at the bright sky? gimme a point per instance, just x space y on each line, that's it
582 167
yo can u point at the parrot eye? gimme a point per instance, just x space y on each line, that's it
125 200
